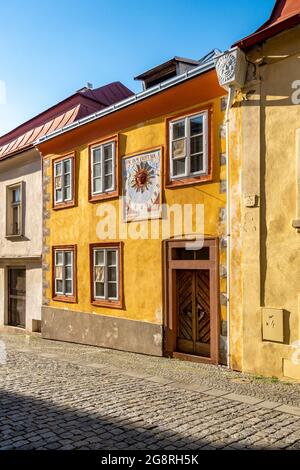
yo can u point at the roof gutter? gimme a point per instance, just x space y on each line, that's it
131 100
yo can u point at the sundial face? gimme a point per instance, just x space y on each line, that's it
226 67
142 186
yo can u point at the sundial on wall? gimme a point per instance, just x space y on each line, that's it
142 186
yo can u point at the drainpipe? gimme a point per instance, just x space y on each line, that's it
230 99
231 68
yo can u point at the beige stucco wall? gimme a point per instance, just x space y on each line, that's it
25 252
265 246
24 167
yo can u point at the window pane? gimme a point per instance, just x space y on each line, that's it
99 287
58 182
67 166
112 290
99 258
16 223
108 182
58 287
68 258
97 170
58 195
58 272
178 167
69 272
97 155
179 148
196 125
178 129
67 180
58 168
196 163
196 144
97 186
111 258
99 273
107 152
16 195
108 167
68 287
67 193
112 274
58 258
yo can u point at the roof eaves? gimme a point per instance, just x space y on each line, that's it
264 34
131 100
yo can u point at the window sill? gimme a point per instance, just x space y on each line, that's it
188 181
63 205
64 298
103 196
108 303
296 224
15 237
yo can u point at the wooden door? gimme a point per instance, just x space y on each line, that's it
193 312
16 297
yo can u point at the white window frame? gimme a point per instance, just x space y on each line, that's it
64 278
10 205
102 164
105 251
187 139
62 175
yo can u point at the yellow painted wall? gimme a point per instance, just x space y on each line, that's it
143 263
265 246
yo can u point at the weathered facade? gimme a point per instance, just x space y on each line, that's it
151 290
264 187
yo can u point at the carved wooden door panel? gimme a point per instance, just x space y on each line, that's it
193 312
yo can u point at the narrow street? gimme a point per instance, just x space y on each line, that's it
63 396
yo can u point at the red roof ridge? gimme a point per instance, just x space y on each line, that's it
82 103
285 14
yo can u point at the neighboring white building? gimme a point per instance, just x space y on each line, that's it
21 240
21 209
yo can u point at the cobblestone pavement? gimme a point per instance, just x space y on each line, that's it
62 396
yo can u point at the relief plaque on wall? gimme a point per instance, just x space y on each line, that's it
142 186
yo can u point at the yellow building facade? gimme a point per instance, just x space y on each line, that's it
131 275
264 201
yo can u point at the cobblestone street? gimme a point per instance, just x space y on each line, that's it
63 396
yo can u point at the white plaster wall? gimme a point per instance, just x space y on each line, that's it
25 167
33 294
27 251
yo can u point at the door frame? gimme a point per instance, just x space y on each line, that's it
170 319
8 269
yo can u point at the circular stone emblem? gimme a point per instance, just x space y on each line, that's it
226 68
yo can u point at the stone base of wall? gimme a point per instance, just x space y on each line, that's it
101 330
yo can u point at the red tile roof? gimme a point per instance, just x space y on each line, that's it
285 14
82 103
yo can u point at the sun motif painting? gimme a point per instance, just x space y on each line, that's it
142 186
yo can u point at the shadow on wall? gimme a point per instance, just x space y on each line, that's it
276 91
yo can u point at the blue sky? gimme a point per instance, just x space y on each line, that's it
50 48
